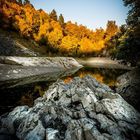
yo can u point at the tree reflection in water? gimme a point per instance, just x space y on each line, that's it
25 95
106 76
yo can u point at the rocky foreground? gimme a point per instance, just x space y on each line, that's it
80 110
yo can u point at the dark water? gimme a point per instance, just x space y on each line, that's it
25 95
22 95
106 76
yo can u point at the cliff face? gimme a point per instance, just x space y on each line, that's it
80 110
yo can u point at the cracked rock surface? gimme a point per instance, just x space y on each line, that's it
80 110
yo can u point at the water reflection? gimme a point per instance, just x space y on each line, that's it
106 76
25 95
22 95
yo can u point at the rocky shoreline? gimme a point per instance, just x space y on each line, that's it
83 109
17 71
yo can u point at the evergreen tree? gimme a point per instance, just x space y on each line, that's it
133 18
26 2
126 44
61 20
53 15
20 1
131 44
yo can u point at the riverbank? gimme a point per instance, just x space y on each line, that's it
24 88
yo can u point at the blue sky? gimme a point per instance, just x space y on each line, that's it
91 13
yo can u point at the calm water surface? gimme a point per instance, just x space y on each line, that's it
25 95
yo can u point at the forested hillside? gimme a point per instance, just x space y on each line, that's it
51 30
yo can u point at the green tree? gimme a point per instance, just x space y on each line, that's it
61 20
20 1
26 2
53 15
129 48
133 18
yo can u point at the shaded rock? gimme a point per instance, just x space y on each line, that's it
14 45
8 137
15 71
128 86
80 110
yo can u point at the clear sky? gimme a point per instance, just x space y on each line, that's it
91 13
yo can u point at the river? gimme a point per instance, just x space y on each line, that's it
102 71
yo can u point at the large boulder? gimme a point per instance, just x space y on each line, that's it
80 110
15 71
128 86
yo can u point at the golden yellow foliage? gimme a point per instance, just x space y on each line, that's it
69 44
55 25
86 46
82 74
79 31
40 26
111 29
43 31
55 37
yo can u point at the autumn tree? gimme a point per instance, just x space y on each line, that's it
86 46
69 45
78 31
55 38
41 26
111 29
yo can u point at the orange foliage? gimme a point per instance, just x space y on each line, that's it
55 37
78 31
69 44
98 77
42 31
36 24
86 46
